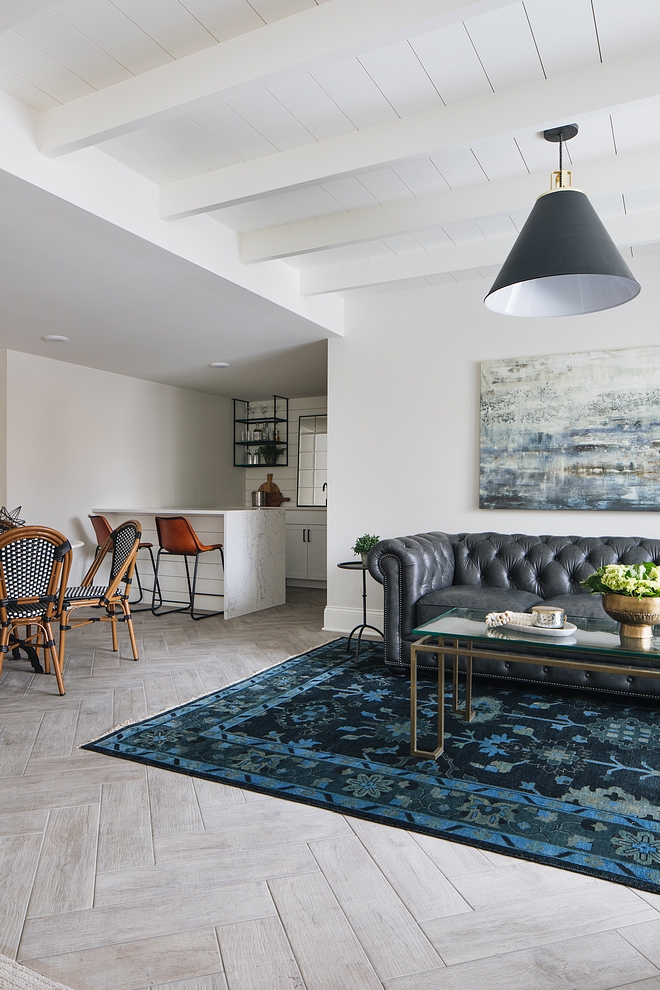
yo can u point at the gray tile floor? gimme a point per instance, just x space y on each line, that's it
118 877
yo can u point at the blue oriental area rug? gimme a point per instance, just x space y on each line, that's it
568 779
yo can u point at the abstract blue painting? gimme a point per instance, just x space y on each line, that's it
572 431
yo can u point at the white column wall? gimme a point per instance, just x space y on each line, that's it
403 404
78 437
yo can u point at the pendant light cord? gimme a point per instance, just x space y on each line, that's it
561 174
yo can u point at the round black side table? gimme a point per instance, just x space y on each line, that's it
357 565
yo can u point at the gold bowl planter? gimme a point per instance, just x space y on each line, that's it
636 615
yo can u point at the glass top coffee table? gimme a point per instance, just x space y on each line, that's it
461 633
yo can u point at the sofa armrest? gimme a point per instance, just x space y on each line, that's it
409 567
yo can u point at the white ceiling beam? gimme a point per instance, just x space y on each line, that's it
289 47
635 228
618 172
583 93
437 261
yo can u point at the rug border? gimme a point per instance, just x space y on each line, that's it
503 850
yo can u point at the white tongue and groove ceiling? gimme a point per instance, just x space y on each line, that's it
372 144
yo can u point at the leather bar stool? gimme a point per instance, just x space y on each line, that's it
102 530
177 538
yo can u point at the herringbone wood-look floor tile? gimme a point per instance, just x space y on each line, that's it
118 877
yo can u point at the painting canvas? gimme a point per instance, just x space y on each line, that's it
572 431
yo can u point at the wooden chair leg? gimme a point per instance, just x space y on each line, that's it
131 631
49 651
64 622
41 645
113 623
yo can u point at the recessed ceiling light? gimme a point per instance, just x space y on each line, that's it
56 338
219 364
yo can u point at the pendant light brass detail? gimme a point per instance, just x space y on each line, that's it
561 179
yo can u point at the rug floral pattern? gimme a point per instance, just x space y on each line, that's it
570 779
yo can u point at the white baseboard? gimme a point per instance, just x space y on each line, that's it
342 620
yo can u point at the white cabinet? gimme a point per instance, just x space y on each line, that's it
306 552
296 553
317 553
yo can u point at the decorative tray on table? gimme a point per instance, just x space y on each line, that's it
522 622
567 629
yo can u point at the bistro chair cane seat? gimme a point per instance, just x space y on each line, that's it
24 612
102 530
34 566
177 538
122 544
85 592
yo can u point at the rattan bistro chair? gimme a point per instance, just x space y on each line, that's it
34 567
102 530
123 543
177 538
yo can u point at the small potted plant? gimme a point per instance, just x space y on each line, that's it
270 452
631 596
363 545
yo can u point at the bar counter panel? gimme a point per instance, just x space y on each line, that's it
254 542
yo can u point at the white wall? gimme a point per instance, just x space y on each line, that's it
403 404
79 438
286 478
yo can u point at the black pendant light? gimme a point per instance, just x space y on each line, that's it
564 262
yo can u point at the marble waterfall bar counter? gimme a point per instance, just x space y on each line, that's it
254 542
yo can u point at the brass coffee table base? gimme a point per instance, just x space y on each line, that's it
471 652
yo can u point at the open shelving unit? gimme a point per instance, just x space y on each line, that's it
261 432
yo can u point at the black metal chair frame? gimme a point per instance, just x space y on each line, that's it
188 606
146 608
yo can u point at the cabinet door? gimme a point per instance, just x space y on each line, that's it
296 552
317 553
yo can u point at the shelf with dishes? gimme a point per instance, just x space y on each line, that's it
261 432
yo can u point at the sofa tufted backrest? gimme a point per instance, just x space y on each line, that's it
544 565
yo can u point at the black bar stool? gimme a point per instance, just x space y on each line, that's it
177 538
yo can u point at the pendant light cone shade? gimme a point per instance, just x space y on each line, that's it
563 263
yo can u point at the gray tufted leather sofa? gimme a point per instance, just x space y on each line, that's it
427 574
